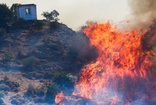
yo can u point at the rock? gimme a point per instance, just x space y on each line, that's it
4 87
15 102
18 100
1 101
13 85
16 84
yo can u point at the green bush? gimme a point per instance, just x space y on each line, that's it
2 32
48 92
5 16
35 92
20 20
14 11
54 25
20 23
64 82
51 16
38 24
1 94
52 91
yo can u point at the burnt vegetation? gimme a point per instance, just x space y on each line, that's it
39 50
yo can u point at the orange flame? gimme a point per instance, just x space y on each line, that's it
122 64
59 97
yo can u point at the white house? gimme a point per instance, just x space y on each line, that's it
27 11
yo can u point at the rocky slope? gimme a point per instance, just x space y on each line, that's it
33 57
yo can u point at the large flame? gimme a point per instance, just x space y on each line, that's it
121 73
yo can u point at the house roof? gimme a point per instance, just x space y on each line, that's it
21 5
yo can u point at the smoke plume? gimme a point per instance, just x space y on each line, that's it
143 12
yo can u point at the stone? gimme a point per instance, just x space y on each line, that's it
4 87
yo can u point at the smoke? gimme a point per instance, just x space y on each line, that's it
143 12
138 102
80 44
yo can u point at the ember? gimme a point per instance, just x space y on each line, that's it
121 73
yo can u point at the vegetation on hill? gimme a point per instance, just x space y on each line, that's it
51 16
41 57
5 16
14 11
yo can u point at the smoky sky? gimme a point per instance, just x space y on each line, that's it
143 12
75 13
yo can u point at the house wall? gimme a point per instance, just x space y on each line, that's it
21 12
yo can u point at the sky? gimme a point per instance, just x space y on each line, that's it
75 13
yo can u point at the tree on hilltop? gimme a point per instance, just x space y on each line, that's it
51 16
14 10
5 15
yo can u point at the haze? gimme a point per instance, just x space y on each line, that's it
75 13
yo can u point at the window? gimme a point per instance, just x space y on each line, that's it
27 10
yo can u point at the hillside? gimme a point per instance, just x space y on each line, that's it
30 59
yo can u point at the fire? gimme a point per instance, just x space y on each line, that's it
121 73
59 97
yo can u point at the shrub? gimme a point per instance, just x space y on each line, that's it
14 11
21 23
35 92
54 25
38 24
2 32
48 91
20 20
51 16
64 82
52 91
5 16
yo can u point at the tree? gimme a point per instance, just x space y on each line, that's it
52 16
5 15
14 10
